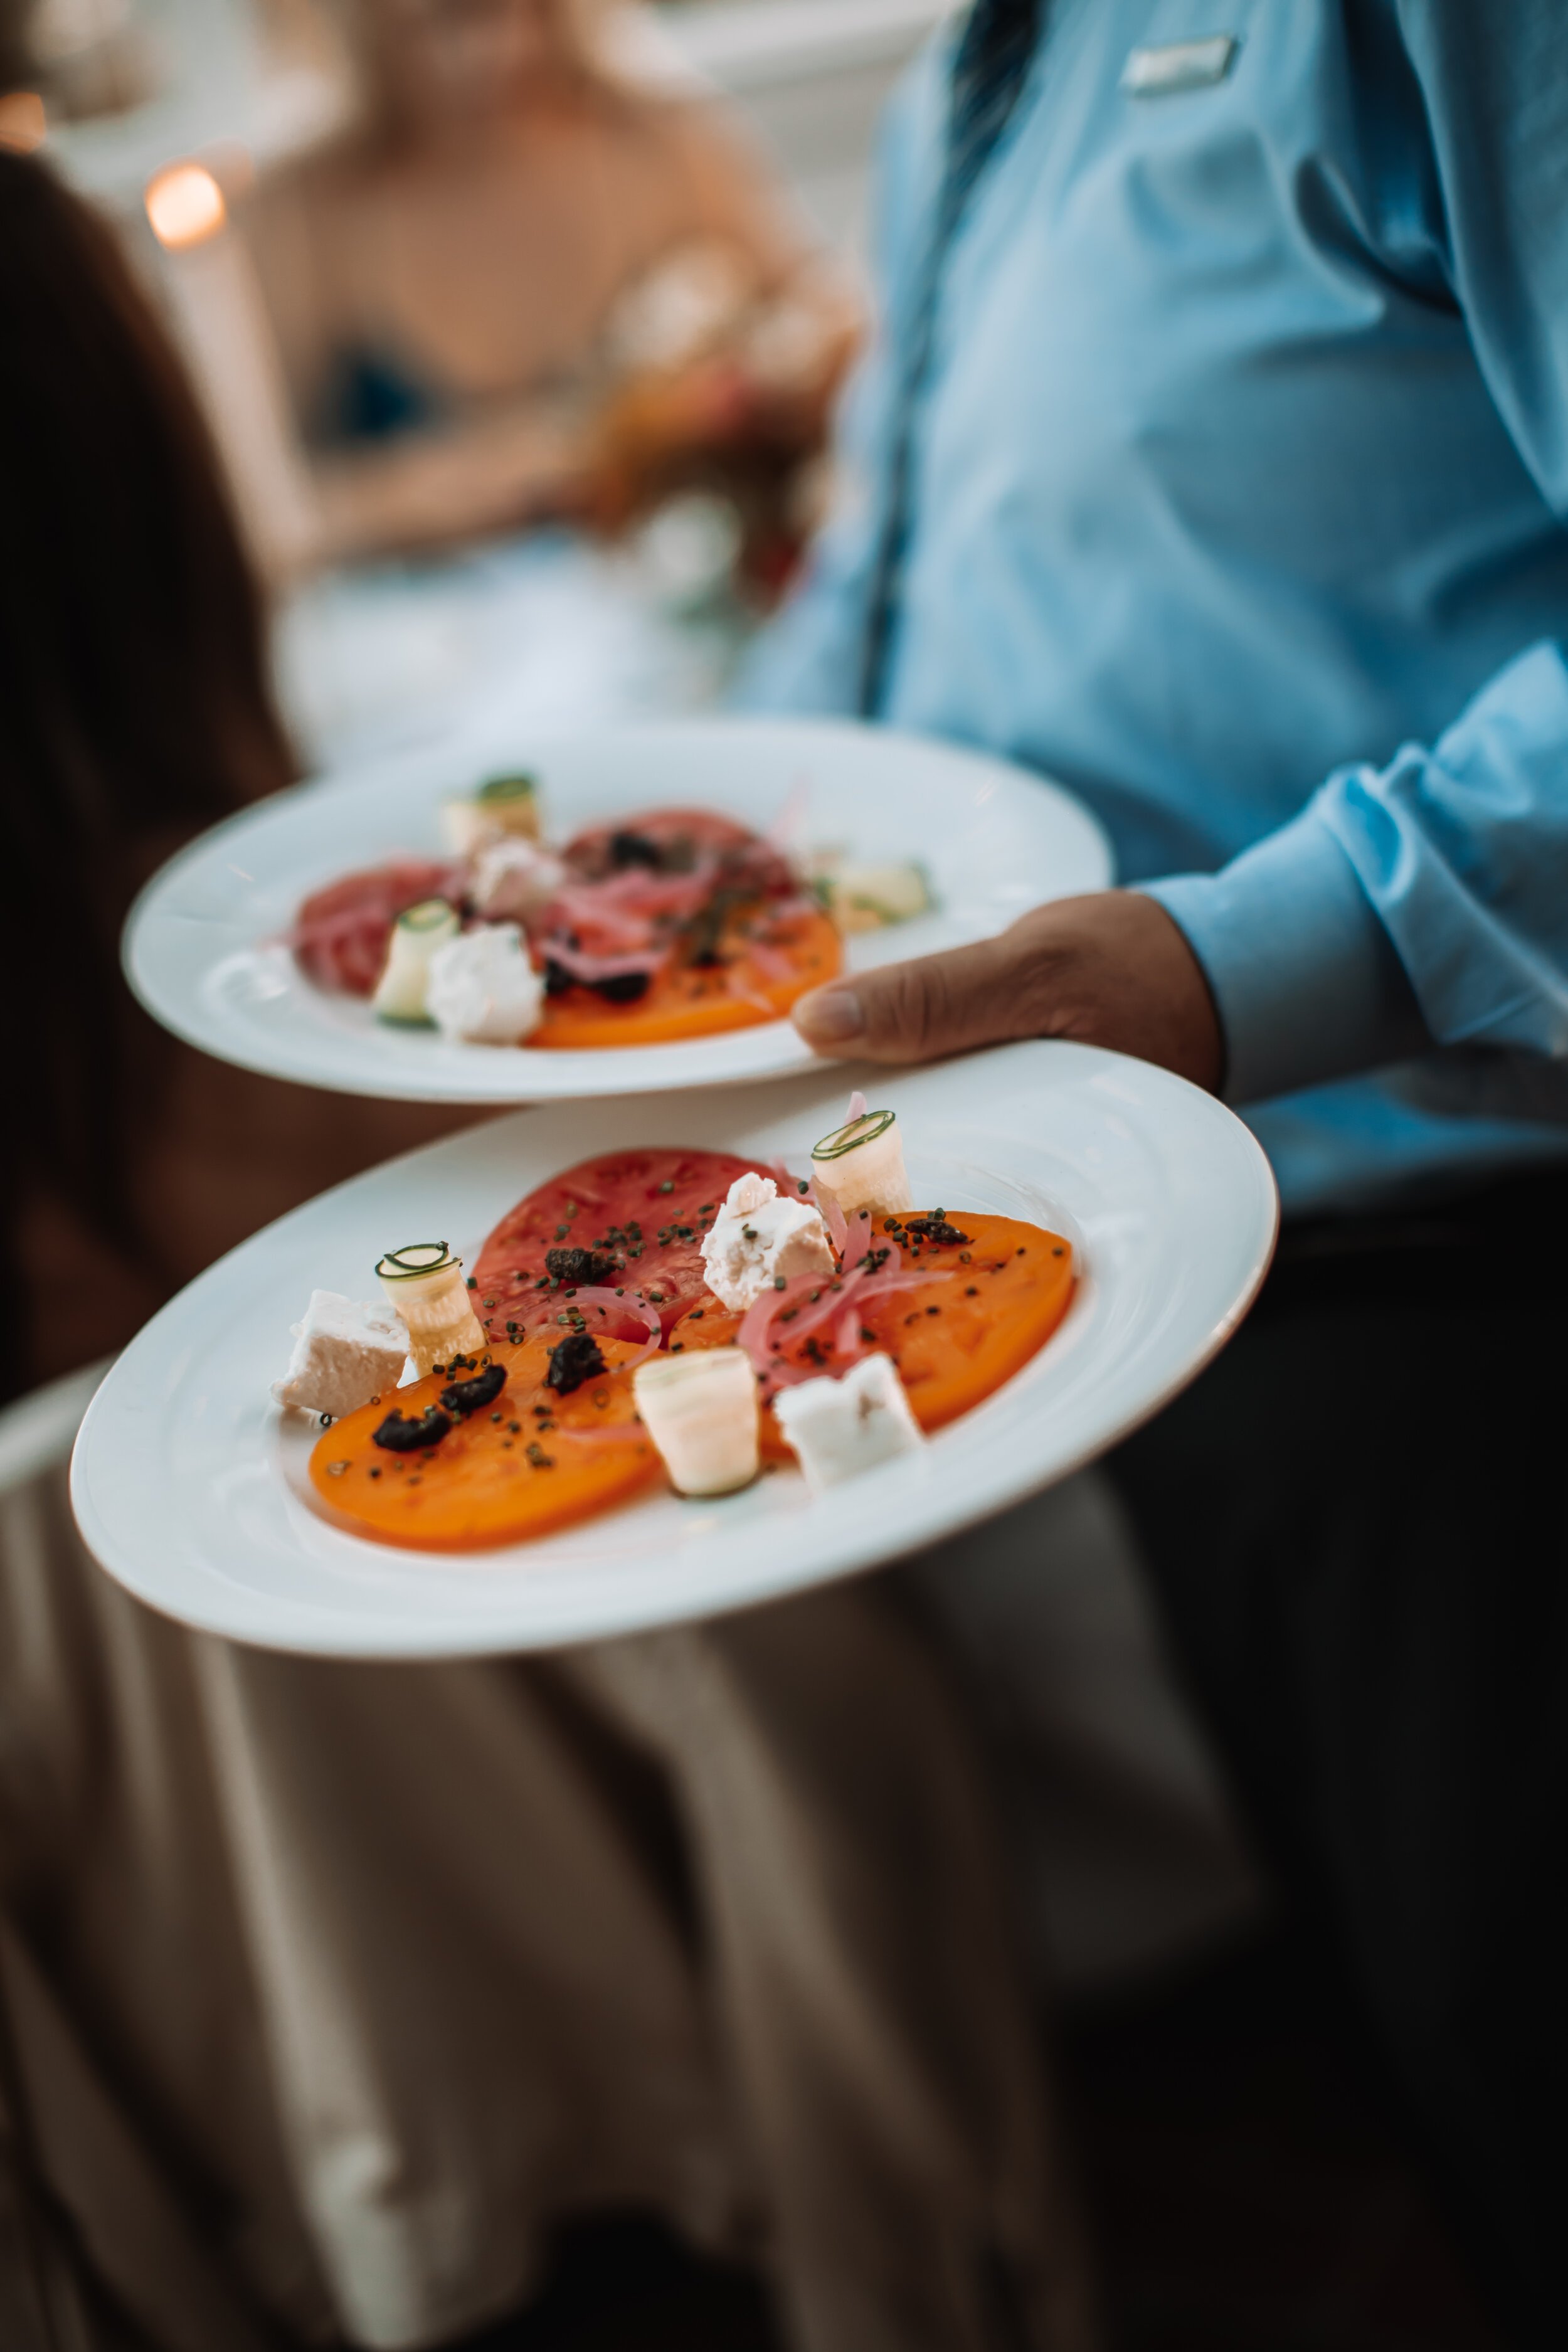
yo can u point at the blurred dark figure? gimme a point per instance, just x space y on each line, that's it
138 709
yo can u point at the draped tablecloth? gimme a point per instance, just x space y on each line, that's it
328 1988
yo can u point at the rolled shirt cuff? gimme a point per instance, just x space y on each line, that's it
1305 977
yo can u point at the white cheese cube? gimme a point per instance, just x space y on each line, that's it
481 986
838 1428
757 1239
345 1353
700 1411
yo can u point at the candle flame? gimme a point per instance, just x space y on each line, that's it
186 206
22 121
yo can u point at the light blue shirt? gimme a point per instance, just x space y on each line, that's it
1240 478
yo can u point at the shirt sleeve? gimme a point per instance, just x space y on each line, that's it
1427 902
1421 903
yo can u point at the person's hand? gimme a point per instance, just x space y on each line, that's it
1111 970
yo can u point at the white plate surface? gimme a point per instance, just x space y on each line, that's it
187 1482
201 945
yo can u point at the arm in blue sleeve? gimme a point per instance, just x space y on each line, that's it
1427 903
1419 904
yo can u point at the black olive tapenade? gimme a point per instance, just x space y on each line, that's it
465 1397
577 1266
402 1434
576 1359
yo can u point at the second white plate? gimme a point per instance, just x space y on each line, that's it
187 1483
202 945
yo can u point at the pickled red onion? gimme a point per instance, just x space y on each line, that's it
832 1216
591 969
892 1256
856 1107
618 1433
771 962
911 1278
755 1334
580 911
592 1294
847 1340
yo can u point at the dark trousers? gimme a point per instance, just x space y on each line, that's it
1357 1525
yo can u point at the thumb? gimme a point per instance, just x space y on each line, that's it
914 1012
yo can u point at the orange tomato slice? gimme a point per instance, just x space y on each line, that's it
528 1463
982 1309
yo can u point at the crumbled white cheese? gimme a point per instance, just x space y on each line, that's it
483 987
838 1428
514 878
345 1353
756 1240
700 1410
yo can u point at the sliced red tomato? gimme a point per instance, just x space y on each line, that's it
638 1216
589 852
340 935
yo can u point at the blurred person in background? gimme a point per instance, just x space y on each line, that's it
134 677
535 281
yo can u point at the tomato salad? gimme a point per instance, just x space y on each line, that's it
673 923
683 1312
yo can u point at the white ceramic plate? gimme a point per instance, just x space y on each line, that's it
188 1483
201 945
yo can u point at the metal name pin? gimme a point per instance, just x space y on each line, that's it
1176 66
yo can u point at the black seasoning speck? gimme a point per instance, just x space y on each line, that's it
935 1230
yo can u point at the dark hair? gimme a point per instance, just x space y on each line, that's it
134 701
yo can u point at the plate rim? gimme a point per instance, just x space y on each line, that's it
941 1521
